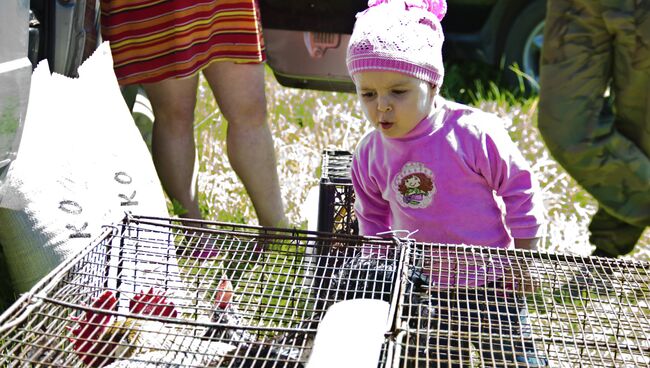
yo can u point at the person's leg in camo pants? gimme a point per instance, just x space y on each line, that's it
588 46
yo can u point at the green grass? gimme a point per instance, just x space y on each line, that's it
269 286
305 122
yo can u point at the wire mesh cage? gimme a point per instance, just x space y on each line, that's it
153 291
162 292
506 308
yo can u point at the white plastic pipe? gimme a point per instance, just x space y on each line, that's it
350 335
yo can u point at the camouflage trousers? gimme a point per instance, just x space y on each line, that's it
590 45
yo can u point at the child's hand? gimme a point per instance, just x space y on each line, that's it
526 282
529 244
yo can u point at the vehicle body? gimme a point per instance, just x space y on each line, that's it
306 40
492 31
306 43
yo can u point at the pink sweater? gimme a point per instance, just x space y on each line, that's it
440 180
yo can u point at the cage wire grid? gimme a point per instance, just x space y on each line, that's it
152 291
583 311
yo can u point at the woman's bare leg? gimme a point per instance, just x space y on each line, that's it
239 91
173 146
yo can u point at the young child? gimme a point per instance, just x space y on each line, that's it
432 167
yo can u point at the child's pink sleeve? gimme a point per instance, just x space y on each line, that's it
510 175
371 209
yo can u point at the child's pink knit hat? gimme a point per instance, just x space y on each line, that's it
402 36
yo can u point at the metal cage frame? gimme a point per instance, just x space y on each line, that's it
154 291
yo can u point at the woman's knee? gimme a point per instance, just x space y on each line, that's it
173 101
247 113
170 113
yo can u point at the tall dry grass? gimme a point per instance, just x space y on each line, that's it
305 122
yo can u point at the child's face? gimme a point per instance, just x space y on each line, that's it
393 102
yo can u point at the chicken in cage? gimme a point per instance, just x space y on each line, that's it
154 292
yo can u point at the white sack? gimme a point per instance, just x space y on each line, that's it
81 164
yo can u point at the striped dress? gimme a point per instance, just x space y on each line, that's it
152 40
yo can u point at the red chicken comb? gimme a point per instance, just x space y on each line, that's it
152 303
89 330
89 340
224 293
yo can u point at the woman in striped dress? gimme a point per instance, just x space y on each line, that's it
163 45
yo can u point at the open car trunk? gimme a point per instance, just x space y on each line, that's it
306 41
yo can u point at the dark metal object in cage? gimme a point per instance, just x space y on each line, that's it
159 292
335 211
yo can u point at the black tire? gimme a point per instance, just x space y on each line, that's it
523 47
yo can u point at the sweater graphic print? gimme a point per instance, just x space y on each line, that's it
415 185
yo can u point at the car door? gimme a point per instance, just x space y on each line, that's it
15 77
66 33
